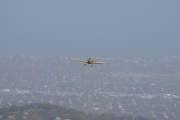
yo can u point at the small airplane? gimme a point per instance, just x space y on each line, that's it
89 61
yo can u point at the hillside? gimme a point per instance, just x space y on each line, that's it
40 111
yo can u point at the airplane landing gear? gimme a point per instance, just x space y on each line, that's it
91 65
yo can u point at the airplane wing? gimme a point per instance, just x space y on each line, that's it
100 62
74 59
82 60
78 60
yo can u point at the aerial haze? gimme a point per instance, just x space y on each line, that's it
85 28
37 38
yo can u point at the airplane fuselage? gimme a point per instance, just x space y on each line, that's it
90 61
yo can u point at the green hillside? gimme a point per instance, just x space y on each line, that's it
39 111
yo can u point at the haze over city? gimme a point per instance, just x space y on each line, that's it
140 39
85 28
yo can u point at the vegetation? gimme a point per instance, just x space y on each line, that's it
40 111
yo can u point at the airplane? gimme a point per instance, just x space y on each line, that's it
89 61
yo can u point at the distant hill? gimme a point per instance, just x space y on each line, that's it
41 111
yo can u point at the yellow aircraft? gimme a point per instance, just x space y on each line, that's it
89 61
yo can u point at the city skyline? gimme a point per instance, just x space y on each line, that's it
146 87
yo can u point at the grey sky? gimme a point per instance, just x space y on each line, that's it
147 28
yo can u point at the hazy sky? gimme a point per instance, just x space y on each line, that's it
146 28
